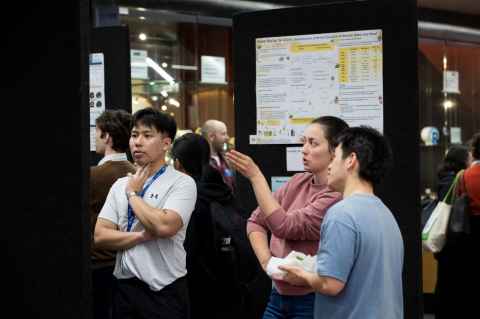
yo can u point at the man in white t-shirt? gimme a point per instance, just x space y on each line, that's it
145 218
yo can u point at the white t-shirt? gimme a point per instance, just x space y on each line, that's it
161 261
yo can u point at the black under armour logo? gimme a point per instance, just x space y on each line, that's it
154 196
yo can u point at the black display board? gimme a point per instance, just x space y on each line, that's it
398 22
114 43
45 227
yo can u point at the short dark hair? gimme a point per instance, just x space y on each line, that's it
455 159
151 117
332 127
372 149
475 146
117 124
193 152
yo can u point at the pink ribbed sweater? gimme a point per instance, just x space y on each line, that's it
296 225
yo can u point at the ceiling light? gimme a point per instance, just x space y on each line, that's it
164 107
154 98
142 36
142 18
164 93
448 104
164 65
174 102
123 10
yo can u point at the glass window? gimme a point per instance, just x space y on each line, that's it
167 52
449 102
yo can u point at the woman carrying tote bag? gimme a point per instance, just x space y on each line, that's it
434 231
458 266
434 234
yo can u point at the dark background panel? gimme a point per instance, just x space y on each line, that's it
44 91
468 19
399 25
114 43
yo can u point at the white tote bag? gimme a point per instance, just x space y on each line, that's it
434 234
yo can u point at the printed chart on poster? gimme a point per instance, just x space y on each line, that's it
97 92
299 78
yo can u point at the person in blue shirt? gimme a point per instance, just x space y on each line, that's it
360 259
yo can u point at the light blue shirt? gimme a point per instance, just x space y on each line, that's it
361 245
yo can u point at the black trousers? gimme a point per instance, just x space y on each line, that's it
458 276
133 299
102 291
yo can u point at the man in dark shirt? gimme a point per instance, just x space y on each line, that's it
111 141
215 132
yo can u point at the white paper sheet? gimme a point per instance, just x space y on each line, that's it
294 159
278 181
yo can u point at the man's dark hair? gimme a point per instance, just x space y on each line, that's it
372 149
475 146
193 152
117 124
151 117
332 127
455 160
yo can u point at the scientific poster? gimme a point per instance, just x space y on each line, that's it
299 78
212 69
97 92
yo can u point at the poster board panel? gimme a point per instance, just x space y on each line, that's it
398 23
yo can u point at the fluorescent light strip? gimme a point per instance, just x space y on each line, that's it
184 67
159 70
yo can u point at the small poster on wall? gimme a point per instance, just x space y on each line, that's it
456 135
278 181
294 159
97 92
139 67
213 69
450 82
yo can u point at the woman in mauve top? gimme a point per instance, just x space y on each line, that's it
293 213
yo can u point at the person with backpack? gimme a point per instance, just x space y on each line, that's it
293 214
218 253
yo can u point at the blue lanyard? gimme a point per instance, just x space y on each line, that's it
131 215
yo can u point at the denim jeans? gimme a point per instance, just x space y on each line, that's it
289 307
